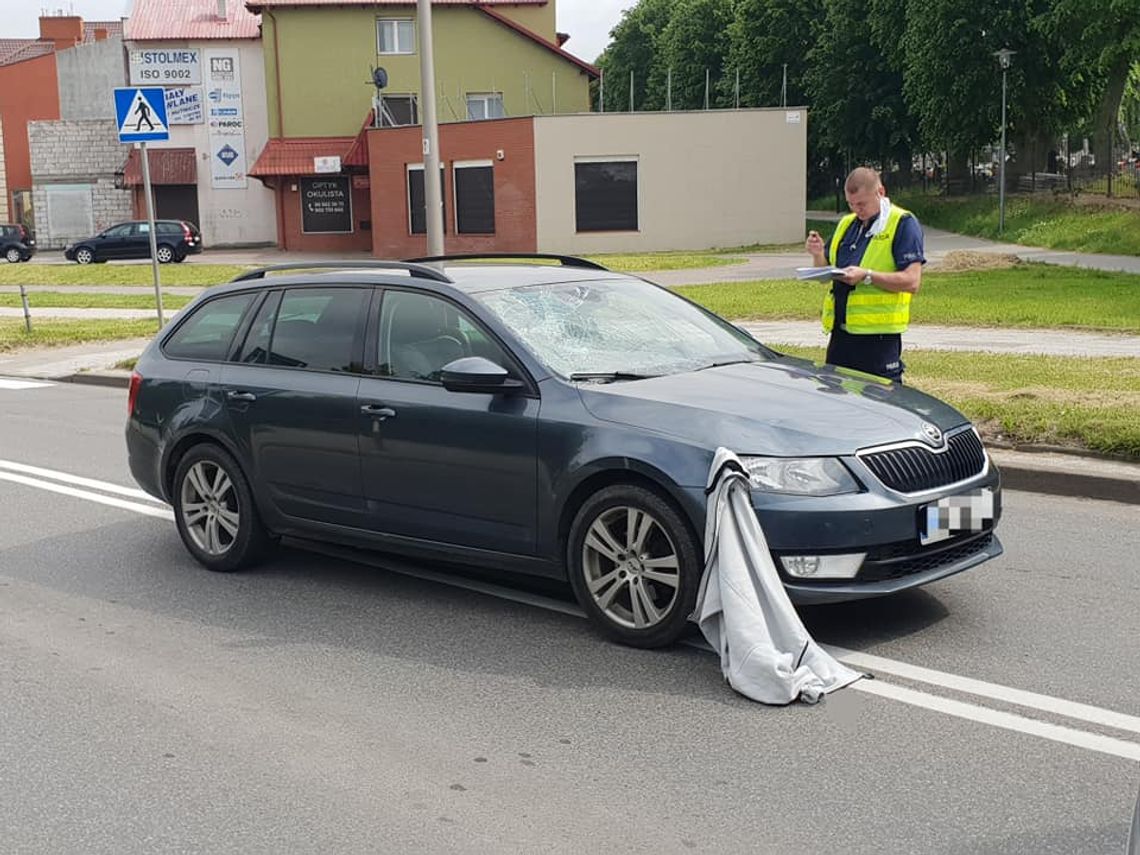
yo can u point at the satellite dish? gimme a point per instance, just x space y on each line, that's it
379 78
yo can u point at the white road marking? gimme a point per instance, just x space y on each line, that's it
67 478
148 510
948 706
5 383
993 691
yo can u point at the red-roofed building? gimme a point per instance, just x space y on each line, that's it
494 59
207 54
29 91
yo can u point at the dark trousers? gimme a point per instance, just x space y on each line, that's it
873 354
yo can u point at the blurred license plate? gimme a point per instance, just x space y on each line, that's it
973 511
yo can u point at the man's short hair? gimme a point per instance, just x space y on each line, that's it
862 178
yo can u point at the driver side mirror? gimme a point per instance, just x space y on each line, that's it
477 374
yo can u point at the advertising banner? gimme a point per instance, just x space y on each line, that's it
326 205
165 67
225 118
184 106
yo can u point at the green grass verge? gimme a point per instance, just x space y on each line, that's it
1033 221
61 333
89 300
1029 295
641 262
1092 403
187 273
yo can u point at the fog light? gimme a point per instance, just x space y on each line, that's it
823 566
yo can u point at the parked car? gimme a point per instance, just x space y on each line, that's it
17 243
555 420
174 240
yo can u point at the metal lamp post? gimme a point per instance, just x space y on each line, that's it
1004 56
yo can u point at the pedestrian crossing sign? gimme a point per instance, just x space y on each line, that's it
141 114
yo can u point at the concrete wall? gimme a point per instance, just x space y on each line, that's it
229 216
706 179
88 74
325 54
79 154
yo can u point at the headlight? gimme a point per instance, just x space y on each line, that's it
808 476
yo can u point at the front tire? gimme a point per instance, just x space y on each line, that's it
215 512
635 566
84 256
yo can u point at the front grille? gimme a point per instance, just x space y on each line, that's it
896 568
914 468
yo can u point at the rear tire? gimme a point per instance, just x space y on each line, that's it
635 566
12 256
164 254
215 511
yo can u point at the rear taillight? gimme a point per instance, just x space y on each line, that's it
133 393
186 233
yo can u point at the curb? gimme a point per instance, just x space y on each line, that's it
1014 476
1070 484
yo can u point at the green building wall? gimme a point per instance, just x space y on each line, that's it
326 54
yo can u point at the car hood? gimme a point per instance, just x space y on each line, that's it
783 407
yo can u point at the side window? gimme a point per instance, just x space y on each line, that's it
119 231
316 328
206 335
419 334
141 229
256 348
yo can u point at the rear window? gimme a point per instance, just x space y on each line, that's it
207 334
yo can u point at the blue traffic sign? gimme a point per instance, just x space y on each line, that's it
141 114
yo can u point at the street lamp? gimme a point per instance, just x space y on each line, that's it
1004 56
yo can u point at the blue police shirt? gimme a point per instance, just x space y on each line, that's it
906 249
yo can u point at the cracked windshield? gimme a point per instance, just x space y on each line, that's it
631 329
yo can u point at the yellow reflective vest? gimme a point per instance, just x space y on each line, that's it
871 309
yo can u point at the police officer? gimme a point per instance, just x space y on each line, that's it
879 248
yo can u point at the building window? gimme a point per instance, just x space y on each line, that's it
474 185
396 35
485 105
397 110
605 194
417 199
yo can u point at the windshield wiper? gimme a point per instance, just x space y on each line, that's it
726 362
610 376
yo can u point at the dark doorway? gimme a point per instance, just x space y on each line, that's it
176 202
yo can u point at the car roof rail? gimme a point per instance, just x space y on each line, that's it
564 260
420 271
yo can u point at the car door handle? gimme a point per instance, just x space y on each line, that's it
234 395
378 411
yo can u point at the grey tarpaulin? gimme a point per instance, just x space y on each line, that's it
766 654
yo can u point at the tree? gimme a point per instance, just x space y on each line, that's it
1102 46
694 43
766 35
854 92
633 47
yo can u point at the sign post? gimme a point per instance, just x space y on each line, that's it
135 107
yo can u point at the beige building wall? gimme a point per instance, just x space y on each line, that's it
717 178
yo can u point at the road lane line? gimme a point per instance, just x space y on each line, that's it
6 383
936 703
67 478
148 510
1005 720
993 691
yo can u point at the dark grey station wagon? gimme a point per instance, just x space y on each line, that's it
553 419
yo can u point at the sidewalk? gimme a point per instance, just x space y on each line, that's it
1050 471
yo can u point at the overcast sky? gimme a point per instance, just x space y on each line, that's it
587 21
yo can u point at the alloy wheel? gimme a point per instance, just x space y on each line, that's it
12 256
209 507
631 567
165 255
84 256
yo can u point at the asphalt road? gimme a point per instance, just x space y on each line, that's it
319 704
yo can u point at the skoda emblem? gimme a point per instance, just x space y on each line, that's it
931 433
